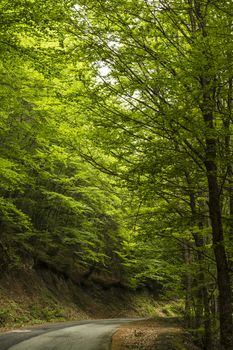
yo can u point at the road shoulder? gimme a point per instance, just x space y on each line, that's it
160 334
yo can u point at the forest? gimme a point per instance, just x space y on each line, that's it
116 147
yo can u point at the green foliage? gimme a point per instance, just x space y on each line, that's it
161 103
54 207
115 129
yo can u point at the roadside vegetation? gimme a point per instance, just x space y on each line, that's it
116 152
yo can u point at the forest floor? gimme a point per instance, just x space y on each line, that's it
160 333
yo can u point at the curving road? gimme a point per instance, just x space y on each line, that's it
84 335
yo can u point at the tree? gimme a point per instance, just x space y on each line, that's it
164 73
55 208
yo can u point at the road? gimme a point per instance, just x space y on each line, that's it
83 335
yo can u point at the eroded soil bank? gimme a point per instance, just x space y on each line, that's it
30 297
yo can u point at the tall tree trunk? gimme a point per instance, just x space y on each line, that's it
223 278
199 11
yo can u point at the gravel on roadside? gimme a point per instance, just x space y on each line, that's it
153 334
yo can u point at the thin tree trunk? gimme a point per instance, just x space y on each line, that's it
202 294
188 288
208 339
227 128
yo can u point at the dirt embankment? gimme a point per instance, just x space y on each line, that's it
40 296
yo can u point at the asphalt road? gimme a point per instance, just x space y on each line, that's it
83 335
